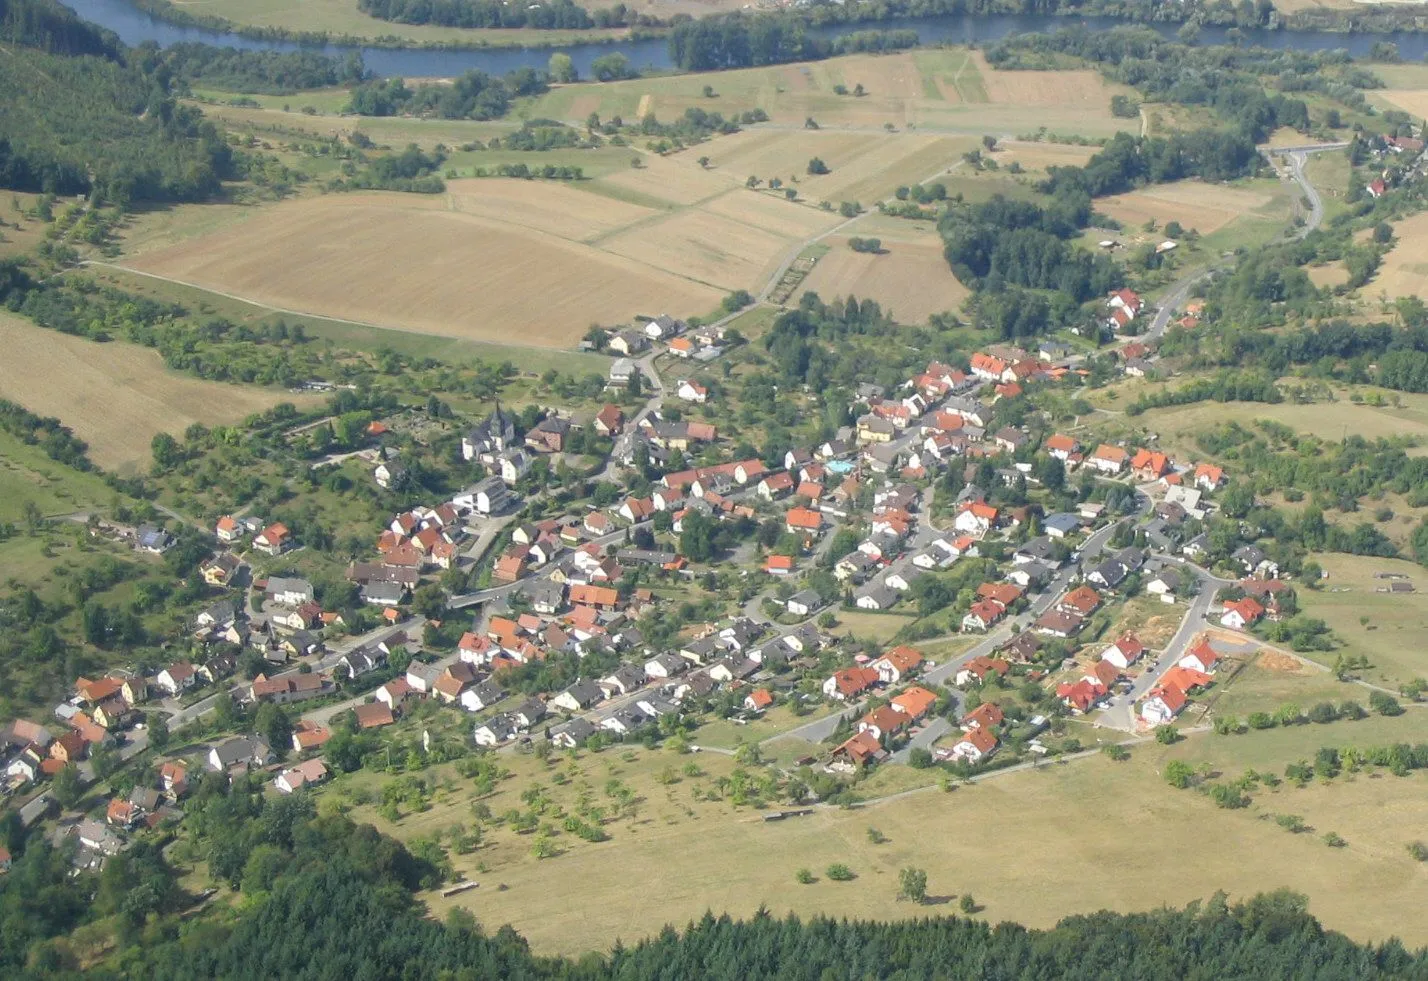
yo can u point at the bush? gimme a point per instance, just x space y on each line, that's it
1228 797
1385 704
1333 840
804 877
1166 735
839 872
1116 752
1418 850
873 245
919 758
817 166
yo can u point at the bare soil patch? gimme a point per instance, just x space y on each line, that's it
1279 663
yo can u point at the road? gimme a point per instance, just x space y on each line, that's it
1178 293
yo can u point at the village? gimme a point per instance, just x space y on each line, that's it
857 523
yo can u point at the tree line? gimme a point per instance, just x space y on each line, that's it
744 41
558 15
233 70
474 95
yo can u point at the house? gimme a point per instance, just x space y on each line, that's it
1109 574
152 538
863 748
361 660
1125 651
988 715
1055 623
177 677
982 616
308 773
803 520
309 735
914 702
1103 673
240 751
228 530
1022 648
1209 477
691 391
978 668
273 539
579 696
758 700
514 464
1125 299
776 485
1202 658
1003 594
899 663
569 735
778 565
622 371
495 731
1149 465
804 602
875 596
987 368
220 569
1162 705
173 777
1081 696
628 342
373 715
288 688
609 420
975 518
488 496
1108 459
849 683
1164 584
1242 614
389 474
288 592
625 679
482 696
385 594
1082 601
974 746
883 721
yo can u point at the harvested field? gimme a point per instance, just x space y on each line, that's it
671 180
707 248
116 396
911 280
785 154
1412 101
1404 271
772 214
1203 207
1039 156
1079 89
544 206
401 260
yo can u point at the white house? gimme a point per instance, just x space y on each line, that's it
514 464
288 592
691 391
1124 652
304 774
177 677
974 746
1162 706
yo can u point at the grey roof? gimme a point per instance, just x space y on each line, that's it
285 584
585 691
1062 521
806 597
532 710
1110 572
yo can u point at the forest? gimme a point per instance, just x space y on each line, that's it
559 15
744 41
474 95
263 72
52 27
99 127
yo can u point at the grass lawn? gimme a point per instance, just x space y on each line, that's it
1271 681
27 476
726 734
877 627
1387 628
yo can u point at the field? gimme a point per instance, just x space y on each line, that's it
1404 271
115 396
1044 849
1194 204
910 279
1387 628
27 476
411 262
946 90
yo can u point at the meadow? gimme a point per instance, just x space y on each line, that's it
1387 628
28 477
1404 271
1033 846
116 396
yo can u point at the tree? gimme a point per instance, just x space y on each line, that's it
158 734
67 786
1384 703
912 885
562 68
1166 735
817 166
272 724
611 67
990 142
1179 774
967 904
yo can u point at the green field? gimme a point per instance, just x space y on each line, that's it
1387 628
28 477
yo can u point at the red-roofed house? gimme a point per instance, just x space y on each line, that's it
1082 601
974 746
1062 447
1209 477
975 518
758 700
1202 657
914 702
897 664
1125 299
861 750
1163 705
1125 651
273 539
228 529
1081 696
1108 459
778 565
979 667
849 683
1149 465
1242 613
984 716
803 519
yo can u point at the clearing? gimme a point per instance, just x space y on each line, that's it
116 396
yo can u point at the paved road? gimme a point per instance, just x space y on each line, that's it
1180 291
1120 714
930 733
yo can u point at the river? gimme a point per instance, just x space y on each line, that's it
134 26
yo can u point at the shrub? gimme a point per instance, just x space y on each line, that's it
1418 850
1384 704
1166 735
1332 839
839 872
804 877
817 166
